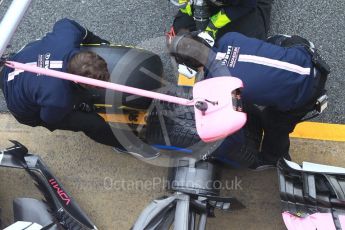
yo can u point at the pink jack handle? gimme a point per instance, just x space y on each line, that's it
215 116
98 83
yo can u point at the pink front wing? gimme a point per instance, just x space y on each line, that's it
220 120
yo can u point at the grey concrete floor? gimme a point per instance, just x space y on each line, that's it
92 173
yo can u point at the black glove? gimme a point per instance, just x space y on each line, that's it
183 21
91 38
84 107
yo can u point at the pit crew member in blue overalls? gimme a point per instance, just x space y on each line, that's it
37 100
284 75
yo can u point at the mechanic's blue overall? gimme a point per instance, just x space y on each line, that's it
272 75
38 100
32 98
281 79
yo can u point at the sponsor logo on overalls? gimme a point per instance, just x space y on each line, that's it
43 60
230 57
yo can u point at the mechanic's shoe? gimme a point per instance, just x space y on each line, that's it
260 164
136 155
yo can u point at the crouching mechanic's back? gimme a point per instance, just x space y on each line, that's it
284 75
272 75
39 100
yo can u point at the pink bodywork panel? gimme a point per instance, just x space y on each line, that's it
219 120
319 221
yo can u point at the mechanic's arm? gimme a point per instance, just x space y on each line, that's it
215 66
70 31
217 21
184 18
185 7
229 14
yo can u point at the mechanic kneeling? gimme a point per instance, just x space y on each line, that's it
285 75
37 100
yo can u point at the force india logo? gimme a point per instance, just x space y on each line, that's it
62 194
230 57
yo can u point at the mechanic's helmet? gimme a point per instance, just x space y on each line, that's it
188 48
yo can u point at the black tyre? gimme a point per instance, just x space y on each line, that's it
174 125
